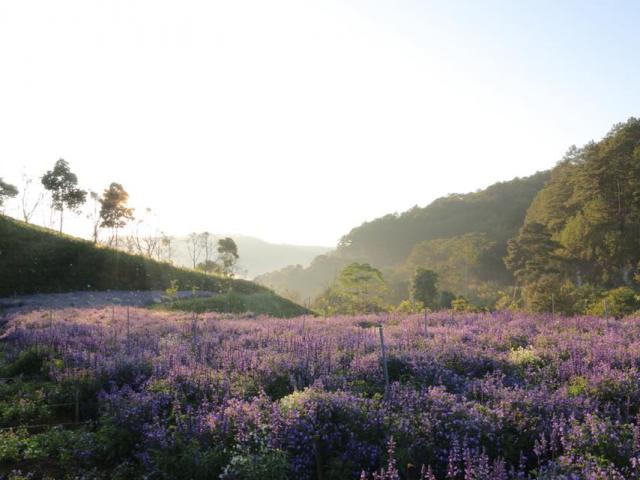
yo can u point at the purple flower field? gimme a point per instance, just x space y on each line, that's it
476 396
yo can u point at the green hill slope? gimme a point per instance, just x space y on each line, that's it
38 260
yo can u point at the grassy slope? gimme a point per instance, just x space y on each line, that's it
38 260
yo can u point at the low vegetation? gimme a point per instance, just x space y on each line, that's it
168 395
259 303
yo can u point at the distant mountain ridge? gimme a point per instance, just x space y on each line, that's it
257 256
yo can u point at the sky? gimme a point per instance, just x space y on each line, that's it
295 121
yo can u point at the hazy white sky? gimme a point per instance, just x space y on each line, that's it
295 121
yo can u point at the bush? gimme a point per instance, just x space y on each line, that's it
30 362
267 464
620 302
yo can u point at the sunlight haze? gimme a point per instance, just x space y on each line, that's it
296 121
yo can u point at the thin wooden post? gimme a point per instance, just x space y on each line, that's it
426 322
553 305
384 363
606 311
318 455
77 405
195 335
128 324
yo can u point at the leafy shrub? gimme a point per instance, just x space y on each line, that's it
188 460
619 301
267 464
31 361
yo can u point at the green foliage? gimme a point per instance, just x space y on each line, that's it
446 299
465 264
360 288
55 452
409 306
30 362
497 211
424 287
6 191
461 304
63 185
259 303
172 290
266 464
619 302
532 254
524 357
227 256
114 212
189 460
209 266
492 216
591 207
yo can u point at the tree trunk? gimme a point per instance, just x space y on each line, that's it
61 212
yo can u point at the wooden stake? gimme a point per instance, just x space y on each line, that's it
318 455
77 405
426 322
384 364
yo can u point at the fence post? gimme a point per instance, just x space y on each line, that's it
318 455
426 322
606 311
77 405
194 328
384 364
128 324
553 305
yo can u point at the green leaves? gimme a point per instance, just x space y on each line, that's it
360 288
114 211
6 191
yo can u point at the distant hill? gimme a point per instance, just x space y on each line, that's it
257 256
34 259
395 242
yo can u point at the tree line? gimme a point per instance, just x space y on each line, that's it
574 248
110 210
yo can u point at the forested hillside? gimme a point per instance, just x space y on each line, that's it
559 239
395 243
582 231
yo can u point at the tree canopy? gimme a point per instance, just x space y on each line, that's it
114 211
359 288
6 191
62 183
